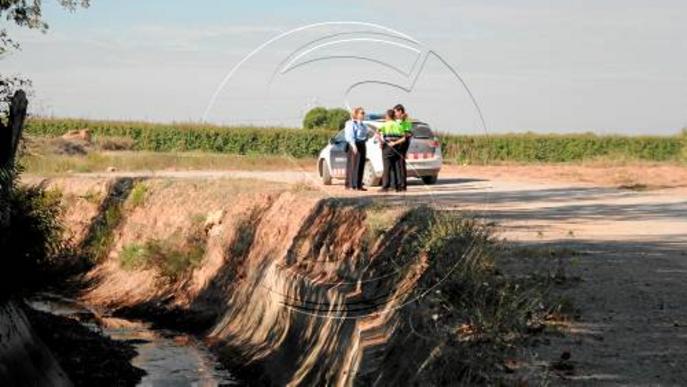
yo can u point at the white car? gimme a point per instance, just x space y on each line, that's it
424 159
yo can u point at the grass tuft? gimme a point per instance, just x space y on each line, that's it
169 257
138 194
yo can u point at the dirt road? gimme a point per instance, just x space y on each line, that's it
630 255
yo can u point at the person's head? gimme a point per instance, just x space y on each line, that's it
400 111
358 114
390 115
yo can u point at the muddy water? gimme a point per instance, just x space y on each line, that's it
169 358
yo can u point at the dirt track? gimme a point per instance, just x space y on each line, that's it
631 258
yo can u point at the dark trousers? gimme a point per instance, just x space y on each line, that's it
404 153
355 165
392 167
403 174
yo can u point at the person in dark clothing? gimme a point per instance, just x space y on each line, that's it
392 139
407 128
355 132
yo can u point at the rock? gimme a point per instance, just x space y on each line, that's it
212 220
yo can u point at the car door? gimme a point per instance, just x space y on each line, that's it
337 155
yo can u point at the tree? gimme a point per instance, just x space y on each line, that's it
337 118
316 118
29 226
13 101
323 118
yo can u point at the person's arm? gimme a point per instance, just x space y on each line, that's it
399 141
350 136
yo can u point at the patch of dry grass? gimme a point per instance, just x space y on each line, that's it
56 164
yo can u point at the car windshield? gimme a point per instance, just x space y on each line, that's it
422 131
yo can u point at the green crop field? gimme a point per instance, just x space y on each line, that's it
308 142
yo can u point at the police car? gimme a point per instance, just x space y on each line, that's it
424 159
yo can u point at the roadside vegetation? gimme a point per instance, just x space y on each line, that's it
299 143
470 319
31 235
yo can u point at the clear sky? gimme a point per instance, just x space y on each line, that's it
608 66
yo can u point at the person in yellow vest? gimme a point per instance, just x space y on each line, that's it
392 138
407 128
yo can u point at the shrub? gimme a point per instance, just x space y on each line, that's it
31 235
169 257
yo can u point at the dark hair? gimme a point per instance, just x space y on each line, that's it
391 113
400 107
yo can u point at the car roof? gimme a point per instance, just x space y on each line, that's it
379 121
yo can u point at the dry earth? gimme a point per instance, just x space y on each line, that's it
625 229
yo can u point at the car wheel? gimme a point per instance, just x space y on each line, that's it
430 179
325 174
370 178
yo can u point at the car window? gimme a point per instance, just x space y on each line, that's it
340 137
422 131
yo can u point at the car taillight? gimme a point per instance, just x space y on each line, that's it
434 143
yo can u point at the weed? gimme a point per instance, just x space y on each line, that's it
92 197
302 187
98 241
171 258
468 315
138 194
132 257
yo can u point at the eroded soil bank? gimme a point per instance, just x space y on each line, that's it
287 286
287 282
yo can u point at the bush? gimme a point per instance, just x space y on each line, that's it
323 118
31 235
169 257
316 118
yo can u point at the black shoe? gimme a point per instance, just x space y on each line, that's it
383 190
362 189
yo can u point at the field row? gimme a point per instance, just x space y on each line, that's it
307 143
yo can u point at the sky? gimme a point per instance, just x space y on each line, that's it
604 66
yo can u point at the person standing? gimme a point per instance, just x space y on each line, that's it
355 132
391 139
407 128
